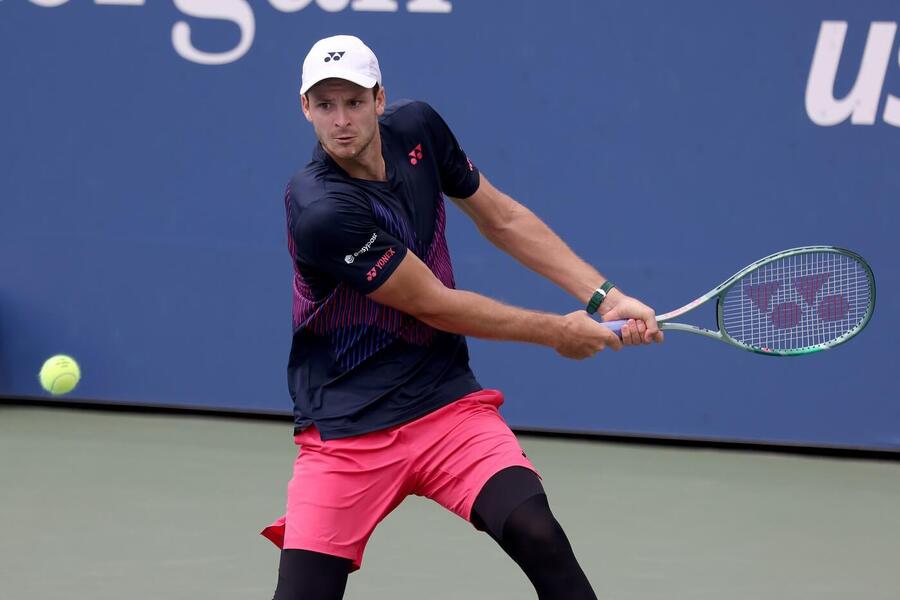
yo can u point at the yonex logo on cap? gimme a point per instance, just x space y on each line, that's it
355 63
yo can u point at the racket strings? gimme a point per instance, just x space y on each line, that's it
797 302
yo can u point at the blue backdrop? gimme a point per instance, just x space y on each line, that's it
144 149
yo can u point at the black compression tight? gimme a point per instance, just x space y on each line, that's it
534 539
511 507
306 575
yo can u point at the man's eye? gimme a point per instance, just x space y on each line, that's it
324 105
356 103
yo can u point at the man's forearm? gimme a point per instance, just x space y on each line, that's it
413 289
530 241
471 314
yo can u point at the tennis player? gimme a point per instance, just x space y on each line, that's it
385 403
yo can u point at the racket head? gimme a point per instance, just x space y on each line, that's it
797 301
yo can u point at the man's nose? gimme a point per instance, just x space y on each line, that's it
341 117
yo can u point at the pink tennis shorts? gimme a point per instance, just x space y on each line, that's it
341 489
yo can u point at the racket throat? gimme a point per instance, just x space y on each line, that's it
716 335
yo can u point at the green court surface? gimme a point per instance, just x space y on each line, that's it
103 506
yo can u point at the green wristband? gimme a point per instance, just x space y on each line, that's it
599 295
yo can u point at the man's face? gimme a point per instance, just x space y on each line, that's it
344 115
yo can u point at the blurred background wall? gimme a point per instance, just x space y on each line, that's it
145 146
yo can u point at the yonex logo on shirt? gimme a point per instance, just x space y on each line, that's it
351 257
334 56
385 259
415 155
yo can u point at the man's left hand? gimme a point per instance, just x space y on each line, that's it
640 326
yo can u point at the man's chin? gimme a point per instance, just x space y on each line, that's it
344 152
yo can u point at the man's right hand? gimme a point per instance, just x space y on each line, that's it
581 336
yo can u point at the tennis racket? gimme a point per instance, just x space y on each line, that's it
793 302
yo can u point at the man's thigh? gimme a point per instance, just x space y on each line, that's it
340 490
463 448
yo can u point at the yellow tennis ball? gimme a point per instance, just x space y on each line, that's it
60 374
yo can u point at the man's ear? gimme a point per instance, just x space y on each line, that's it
304 104
379 101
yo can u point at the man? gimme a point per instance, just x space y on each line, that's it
385 403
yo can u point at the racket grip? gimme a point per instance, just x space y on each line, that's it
614 326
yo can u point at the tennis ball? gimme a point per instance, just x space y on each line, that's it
60 374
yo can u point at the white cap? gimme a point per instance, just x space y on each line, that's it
343 57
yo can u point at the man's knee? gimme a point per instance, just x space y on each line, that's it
540 529
532 528
501 495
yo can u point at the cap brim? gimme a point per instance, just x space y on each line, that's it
366 82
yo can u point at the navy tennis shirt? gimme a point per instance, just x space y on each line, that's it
357 366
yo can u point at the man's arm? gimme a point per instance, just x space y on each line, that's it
520 233
412 288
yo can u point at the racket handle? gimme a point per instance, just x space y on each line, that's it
614 326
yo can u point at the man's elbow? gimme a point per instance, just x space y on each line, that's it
504 225
434 308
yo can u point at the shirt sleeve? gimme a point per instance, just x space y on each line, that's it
459 177
338 236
